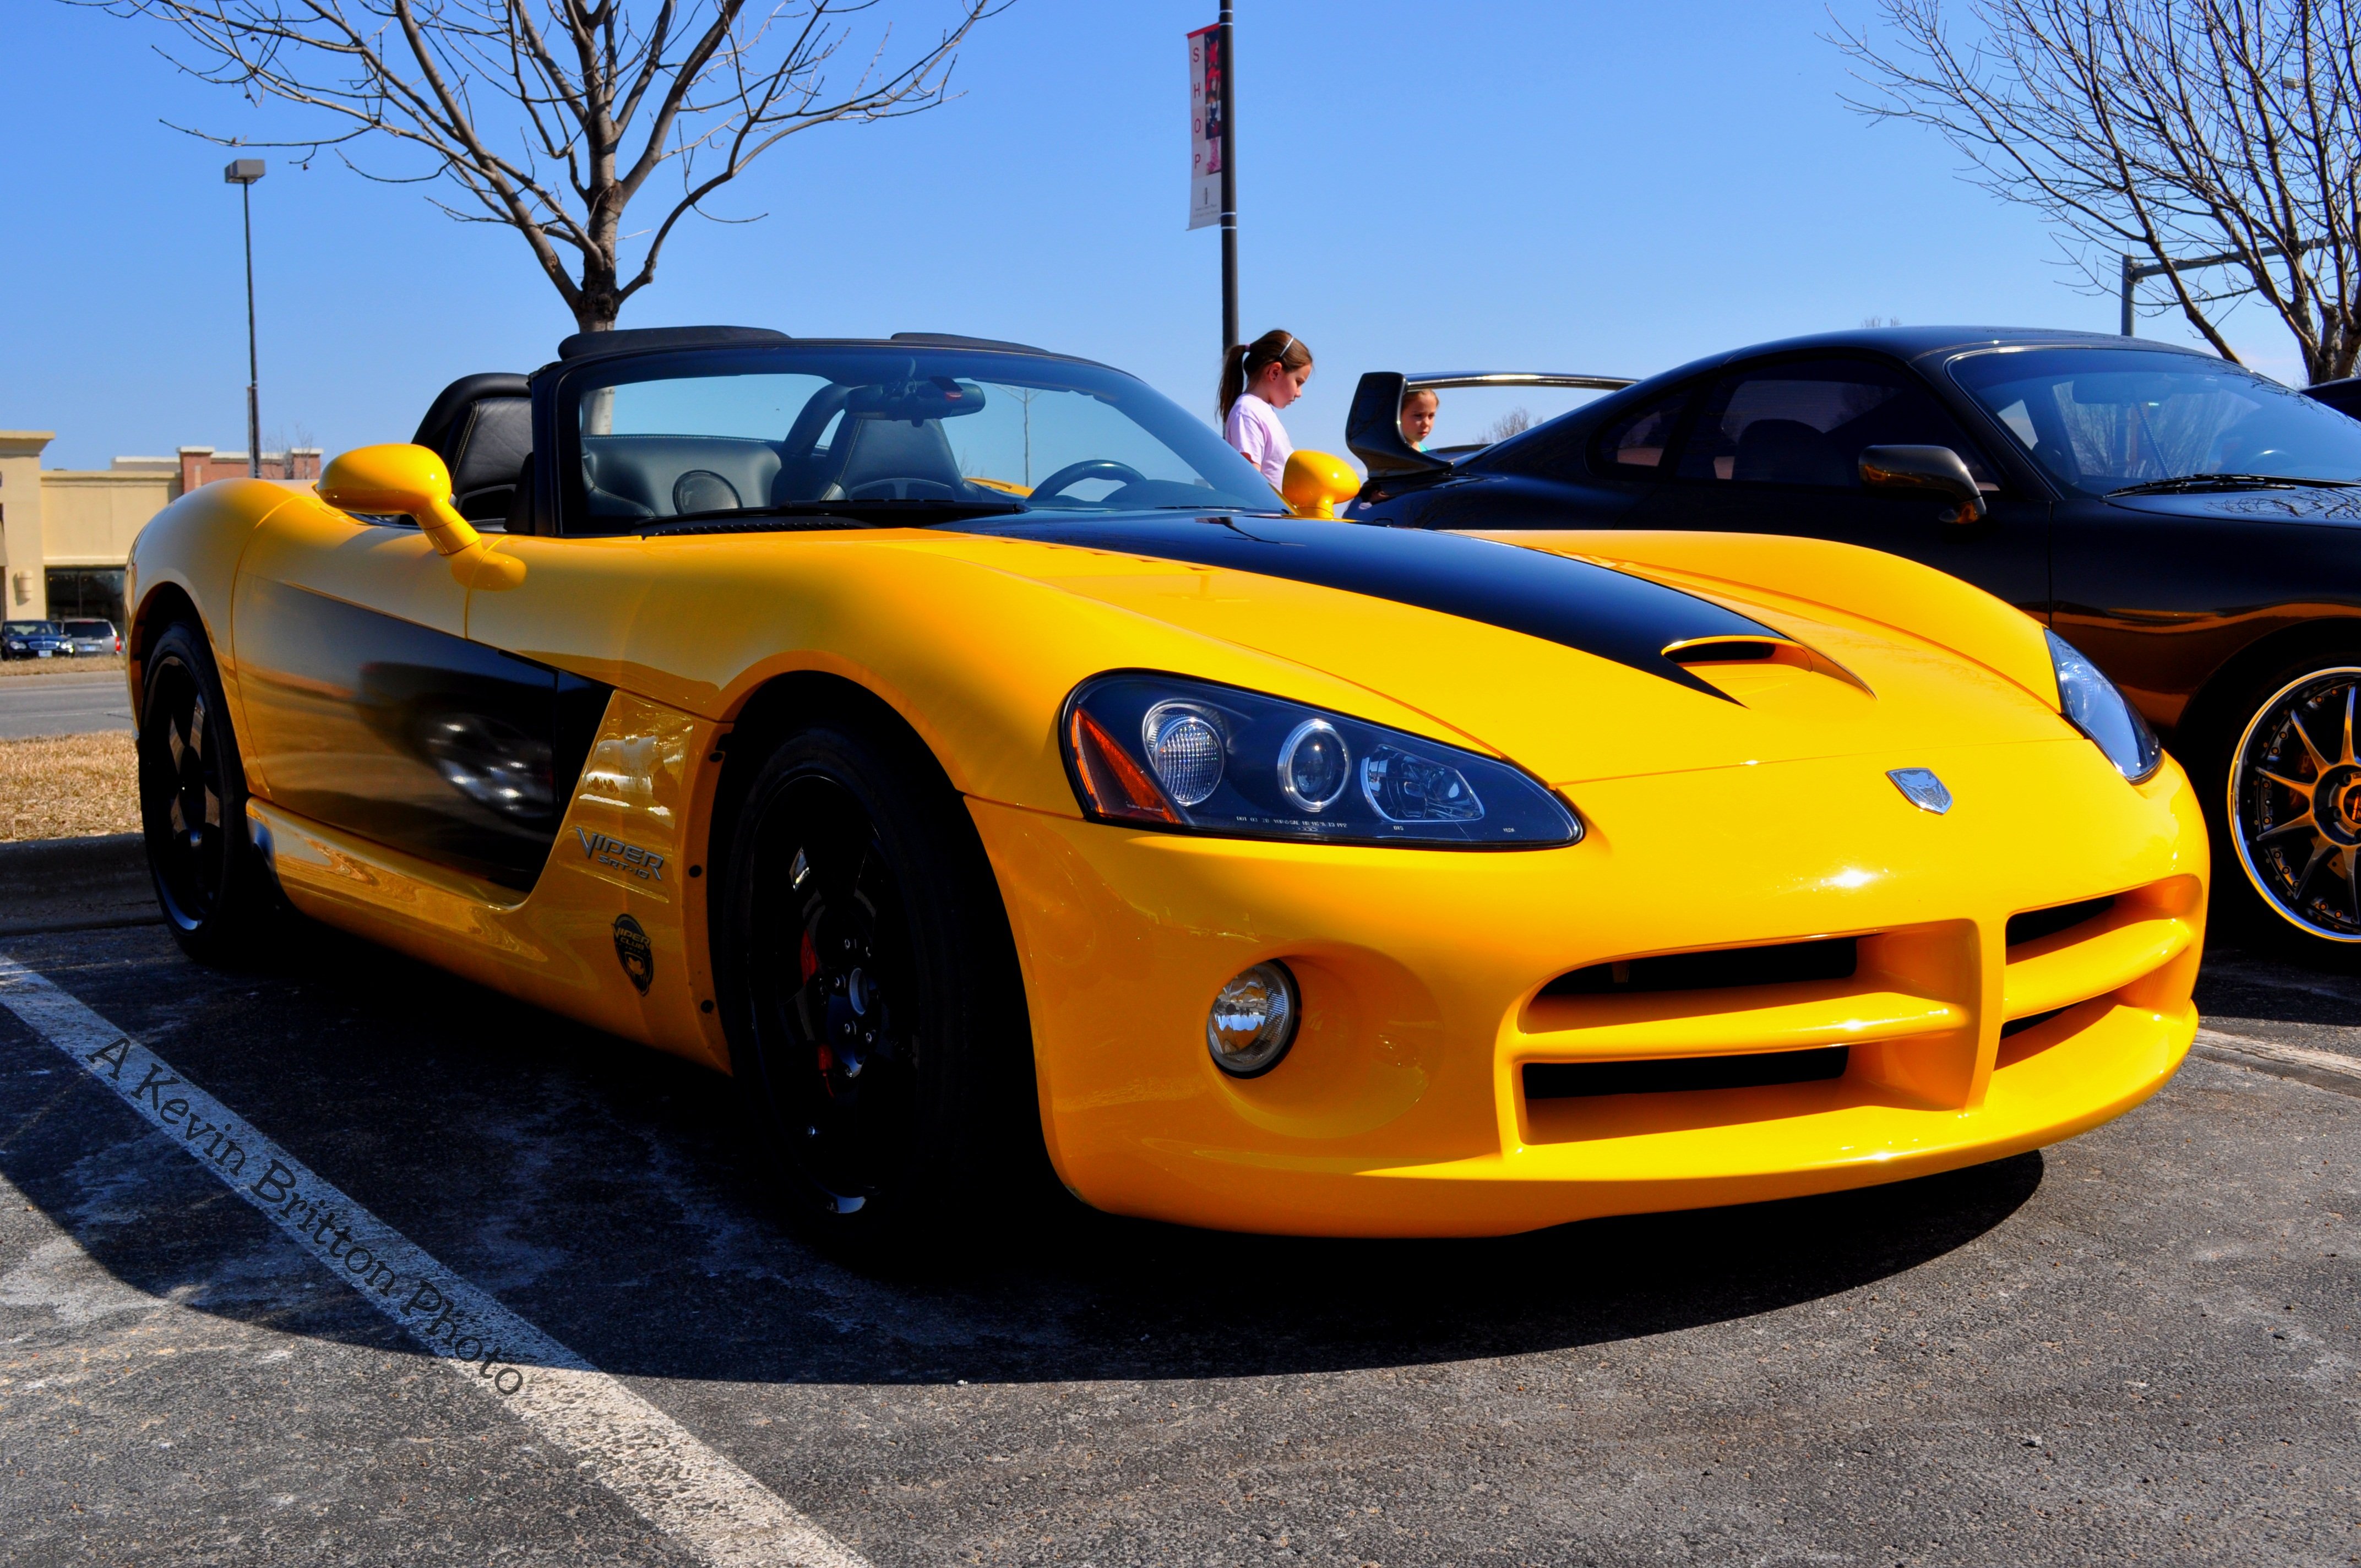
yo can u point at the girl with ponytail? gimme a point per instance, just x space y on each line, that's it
1259 379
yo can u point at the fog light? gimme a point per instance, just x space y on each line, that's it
1252 1021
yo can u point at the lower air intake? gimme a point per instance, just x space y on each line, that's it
1673 1075
1784 963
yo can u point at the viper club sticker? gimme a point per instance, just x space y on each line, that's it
635 952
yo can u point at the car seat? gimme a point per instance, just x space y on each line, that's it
481 426
896 459
1789 452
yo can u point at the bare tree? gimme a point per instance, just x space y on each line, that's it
552 116
2169 130
1516 422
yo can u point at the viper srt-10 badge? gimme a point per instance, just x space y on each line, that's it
646 864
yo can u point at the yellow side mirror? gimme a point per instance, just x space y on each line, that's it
1314 482
413 481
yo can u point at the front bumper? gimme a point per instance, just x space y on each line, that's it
1401 1109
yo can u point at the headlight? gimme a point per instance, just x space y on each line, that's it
1161 751
2100 711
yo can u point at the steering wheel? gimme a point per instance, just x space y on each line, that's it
901 490
1092 468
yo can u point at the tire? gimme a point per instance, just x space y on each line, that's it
217 894
2289 788
876 1018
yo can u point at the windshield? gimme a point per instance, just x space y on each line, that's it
90 628
26 628
927 432
2101 419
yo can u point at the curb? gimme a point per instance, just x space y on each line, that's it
51 865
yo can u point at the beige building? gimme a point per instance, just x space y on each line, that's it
65 534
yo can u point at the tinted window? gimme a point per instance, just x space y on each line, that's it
89 629
1635 443
2100 419
1805 422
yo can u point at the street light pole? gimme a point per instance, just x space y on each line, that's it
243 173
1229 185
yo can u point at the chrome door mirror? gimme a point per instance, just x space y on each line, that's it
1936 468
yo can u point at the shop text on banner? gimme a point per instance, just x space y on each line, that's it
1208 132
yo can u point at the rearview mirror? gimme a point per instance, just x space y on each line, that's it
411 481
1314 482
931 398
1936 468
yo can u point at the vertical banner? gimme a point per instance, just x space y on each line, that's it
1208 136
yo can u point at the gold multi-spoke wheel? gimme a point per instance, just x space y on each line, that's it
2295 803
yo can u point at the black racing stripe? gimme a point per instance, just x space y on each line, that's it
1612 614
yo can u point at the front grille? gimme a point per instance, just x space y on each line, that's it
2030 1021
1785 963
1670 1075
2036 924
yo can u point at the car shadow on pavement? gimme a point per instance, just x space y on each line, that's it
607 1194
2280 984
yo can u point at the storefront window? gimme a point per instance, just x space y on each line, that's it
90 592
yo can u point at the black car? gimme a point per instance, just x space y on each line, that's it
2192 527
2343 396
32 639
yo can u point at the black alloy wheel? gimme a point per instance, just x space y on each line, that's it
877 1022
2294 801
215 892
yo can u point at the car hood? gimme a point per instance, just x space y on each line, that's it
1556 662
2329 504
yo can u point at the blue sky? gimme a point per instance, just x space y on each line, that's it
1548 184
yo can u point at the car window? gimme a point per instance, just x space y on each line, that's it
1633 446
855 427
89 629
2100 419
1805 422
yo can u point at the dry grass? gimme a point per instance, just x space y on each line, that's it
79 666
63 786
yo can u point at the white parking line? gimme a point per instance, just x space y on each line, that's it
643 1456
2285 1056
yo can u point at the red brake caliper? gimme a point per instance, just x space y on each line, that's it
808 961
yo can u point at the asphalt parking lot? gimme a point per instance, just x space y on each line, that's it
2143 1344
77 702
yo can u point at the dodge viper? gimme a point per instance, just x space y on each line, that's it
960 747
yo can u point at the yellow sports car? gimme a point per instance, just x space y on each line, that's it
961 746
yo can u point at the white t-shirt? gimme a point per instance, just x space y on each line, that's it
1253 429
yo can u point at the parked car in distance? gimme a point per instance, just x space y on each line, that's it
88 637
2188 525
31 640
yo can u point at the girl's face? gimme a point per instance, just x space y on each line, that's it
1279 386
1418 417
